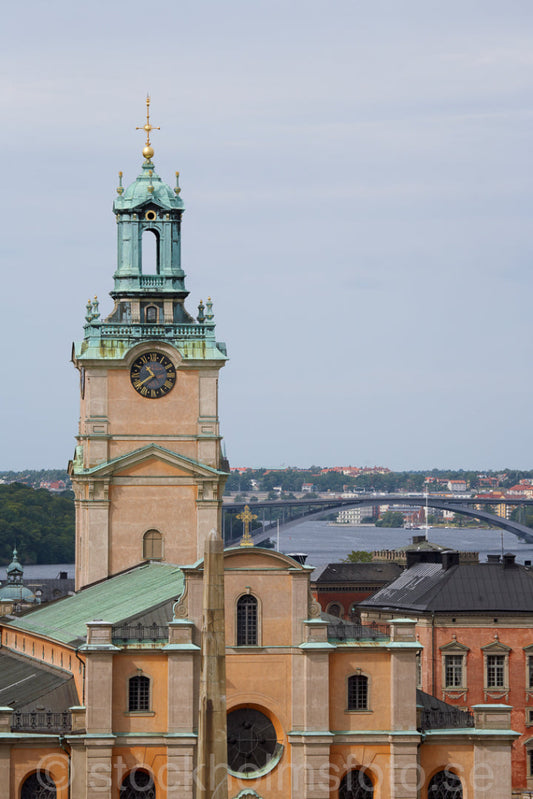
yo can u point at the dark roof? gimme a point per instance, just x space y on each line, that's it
51 588
467 587
429 702
360 572
26 684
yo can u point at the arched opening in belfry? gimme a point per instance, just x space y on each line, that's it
150 252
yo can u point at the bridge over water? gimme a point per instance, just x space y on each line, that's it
297 511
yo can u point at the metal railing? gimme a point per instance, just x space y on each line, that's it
125 633
446 719
358 632
41 721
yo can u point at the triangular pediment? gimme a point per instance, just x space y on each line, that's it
454 646
495 648
150 460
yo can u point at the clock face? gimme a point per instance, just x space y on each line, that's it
153 375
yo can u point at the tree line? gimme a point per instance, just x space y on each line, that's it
38 523
291 480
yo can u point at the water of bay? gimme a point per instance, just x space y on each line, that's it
329 543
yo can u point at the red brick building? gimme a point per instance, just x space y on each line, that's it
475 622
341 586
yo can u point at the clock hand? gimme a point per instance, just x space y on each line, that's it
146 379
149 370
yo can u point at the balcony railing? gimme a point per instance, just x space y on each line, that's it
358 632
126 633
41 721
192 331
445 719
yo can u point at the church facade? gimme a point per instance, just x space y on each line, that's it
112 692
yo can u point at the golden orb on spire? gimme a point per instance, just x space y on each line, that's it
148 150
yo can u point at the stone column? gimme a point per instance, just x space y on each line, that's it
212 781
99 652
6 714
492 751
404 737
310 748
183 661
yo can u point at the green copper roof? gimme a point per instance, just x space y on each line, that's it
148 188
114 600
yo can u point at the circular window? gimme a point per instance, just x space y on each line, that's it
151 216
252 742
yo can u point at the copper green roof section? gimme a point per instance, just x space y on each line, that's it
114 600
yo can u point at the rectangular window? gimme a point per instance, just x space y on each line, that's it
419 669
529 717
529 676
495 671
453 671
357 692
139 693
530 762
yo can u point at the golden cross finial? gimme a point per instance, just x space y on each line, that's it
246 517
148 150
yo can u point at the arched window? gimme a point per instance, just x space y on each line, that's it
152 545
445 785
137 785
39 785
247 627
151 314
356 785
150 252
357 692
335 609
139 693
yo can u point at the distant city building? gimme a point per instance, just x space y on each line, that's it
354 515
457 486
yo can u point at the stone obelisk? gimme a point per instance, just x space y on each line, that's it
211 781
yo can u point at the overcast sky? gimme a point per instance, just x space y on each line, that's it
358 184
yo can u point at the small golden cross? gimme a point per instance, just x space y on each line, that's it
148 128
246 517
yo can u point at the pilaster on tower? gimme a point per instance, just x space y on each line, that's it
148 471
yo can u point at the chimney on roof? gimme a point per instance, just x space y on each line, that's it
414 556
450 559
493 558
508 560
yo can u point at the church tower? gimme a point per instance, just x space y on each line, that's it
148 472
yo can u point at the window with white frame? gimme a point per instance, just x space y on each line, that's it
496 667
495 671
454 657
453 671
